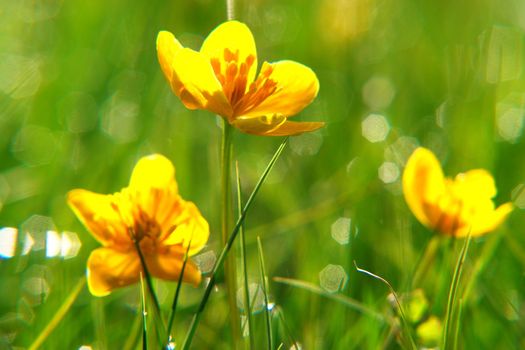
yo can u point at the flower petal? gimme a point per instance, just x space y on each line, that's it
168 266
294 128
259 125
274 125
195 83
297 86
185 226
108 269
236 37
153 185
486 222
475 185
423 184
167 48
96 212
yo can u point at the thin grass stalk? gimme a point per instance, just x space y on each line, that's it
177 292
343 299
458 323
226 212
247 304
144 315
453 291
230 9
147 275
484 257
161 327
426 259
406 327
59 315
287 329
220 261
264 280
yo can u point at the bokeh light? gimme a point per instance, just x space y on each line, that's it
256 297
388 172
333 278
8 242
375 128
378 93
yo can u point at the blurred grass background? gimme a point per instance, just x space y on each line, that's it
82 97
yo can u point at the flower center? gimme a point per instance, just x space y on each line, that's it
233 76
141 227
449 214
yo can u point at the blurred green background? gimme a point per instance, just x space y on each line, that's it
82 97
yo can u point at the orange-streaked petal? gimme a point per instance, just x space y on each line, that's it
297 86
108 269
167 48
423 183
185 226
259 125
274 126
96 212
153 185
168 266
195 83
486 223
289 128
236 37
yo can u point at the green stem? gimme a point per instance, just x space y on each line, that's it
230 9
264 283
144 315
161 331
227 247
247 305
226 214
451 303
426 260
59 315
177 293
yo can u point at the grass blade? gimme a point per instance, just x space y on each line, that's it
144 315
177 291
406 327
286 328
59 315
247 304
484 257
220 261
456 334
160 326
453 291
264 280
343 299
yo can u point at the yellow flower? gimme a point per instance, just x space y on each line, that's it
453 207
221 78
150 212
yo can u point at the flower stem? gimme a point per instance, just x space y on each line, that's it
247 308
161 329
227 247
230 9
226 207
177 293
426 260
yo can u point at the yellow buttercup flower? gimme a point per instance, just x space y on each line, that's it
454 207
221 78
150 213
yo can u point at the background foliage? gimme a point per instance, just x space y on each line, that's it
82 98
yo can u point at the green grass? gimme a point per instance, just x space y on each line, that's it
82 97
